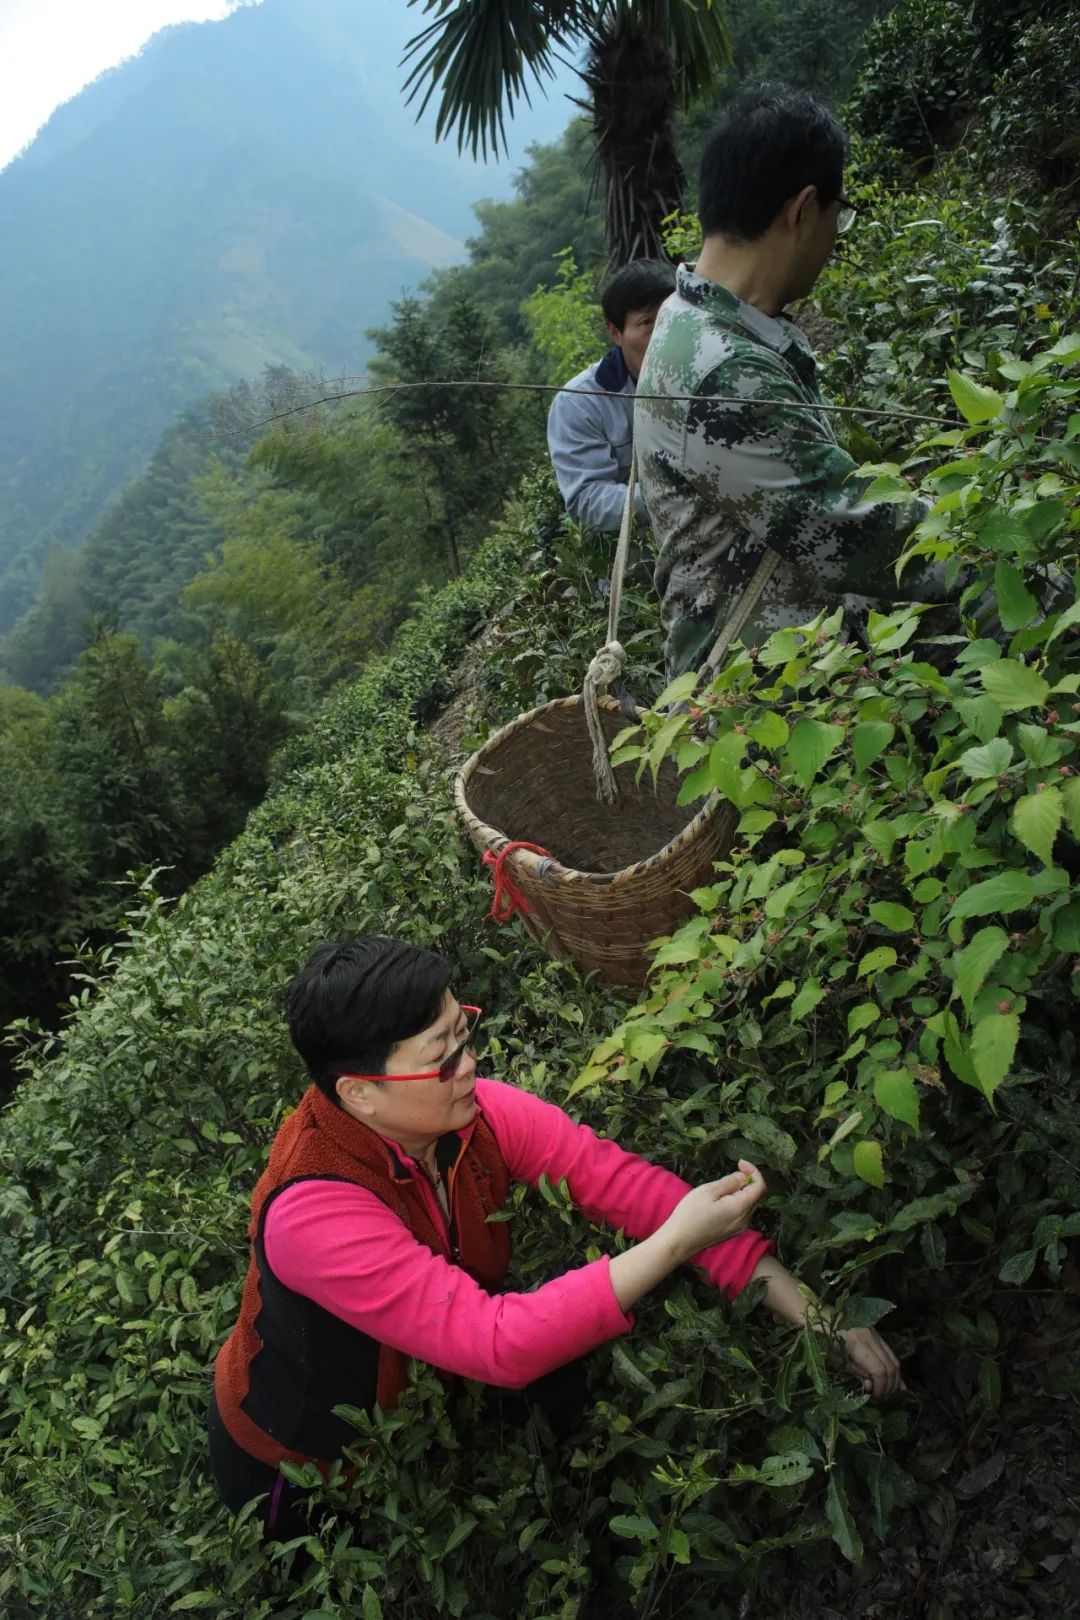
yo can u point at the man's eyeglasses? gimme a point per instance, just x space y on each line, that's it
846 217
447 1069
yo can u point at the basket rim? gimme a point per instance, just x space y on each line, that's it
496 840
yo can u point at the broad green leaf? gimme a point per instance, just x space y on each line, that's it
1013 685
1065 621
868 1163
1065 352
725 765
807 999
756 821
898 918
993 1045
876 961
975 961
894 1091
869 740
770 730
1016 605
634 1527
810 745
1018 1268
987 759
841 1523
981 715
861 1017
645 1044
881 836
461 1531
1066 928
677 691
766 1134
1070 798
1008 892
1036 821
371 1603
975 402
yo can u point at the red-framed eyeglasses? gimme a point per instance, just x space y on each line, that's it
448 1068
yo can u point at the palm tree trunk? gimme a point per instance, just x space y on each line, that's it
631 80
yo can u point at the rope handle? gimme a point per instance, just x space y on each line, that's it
610 661
508 898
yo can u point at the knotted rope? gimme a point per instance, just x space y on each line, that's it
508 898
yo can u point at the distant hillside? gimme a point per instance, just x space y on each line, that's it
245 193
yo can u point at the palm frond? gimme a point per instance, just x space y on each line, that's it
694 32
481 56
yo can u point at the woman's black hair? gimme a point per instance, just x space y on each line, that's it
771 142
352 1002
641 284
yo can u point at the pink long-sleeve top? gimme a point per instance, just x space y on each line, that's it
340 1246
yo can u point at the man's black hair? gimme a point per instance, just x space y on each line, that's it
351 1003
641 284
771 142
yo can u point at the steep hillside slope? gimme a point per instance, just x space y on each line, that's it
243 193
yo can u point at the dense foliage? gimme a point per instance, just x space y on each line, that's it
876 999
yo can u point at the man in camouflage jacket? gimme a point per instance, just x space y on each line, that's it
727 478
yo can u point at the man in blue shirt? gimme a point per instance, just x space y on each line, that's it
590 433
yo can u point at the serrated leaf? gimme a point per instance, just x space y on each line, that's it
634 1527
869 740
993 1046
1070 798
987 759
876 961
894 1091
1013 685
725 765
975 961
1036 821
765 1133
865 1311
811 743
861 1017
868 1165
1018 1267
1016 605
981 716
841 1522
1008 892
881 836
807 999
889 915
975 402
770 730
1066 928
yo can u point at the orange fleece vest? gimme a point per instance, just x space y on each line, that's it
299 1340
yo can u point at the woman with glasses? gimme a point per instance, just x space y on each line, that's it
372 1240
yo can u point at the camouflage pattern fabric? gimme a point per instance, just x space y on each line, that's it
724 481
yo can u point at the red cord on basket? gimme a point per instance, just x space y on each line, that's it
508 898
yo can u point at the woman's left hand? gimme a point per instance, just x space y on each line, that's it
872 1361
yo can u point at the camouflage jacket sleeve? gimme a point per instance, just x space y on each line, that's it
781 471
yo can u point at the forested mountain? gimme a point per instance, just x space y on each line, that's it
245 193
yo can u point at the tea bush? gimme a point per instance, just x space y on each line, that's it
876 999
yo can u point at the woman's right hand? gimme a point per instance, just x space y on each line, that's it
716 1210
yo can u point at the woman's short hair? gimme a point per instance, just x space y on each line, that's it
771 142
353 1001
641 284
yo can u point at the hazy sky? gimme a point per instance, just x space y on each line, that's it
50 48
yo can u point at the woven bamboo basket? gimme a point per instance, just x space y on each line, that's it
618 874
